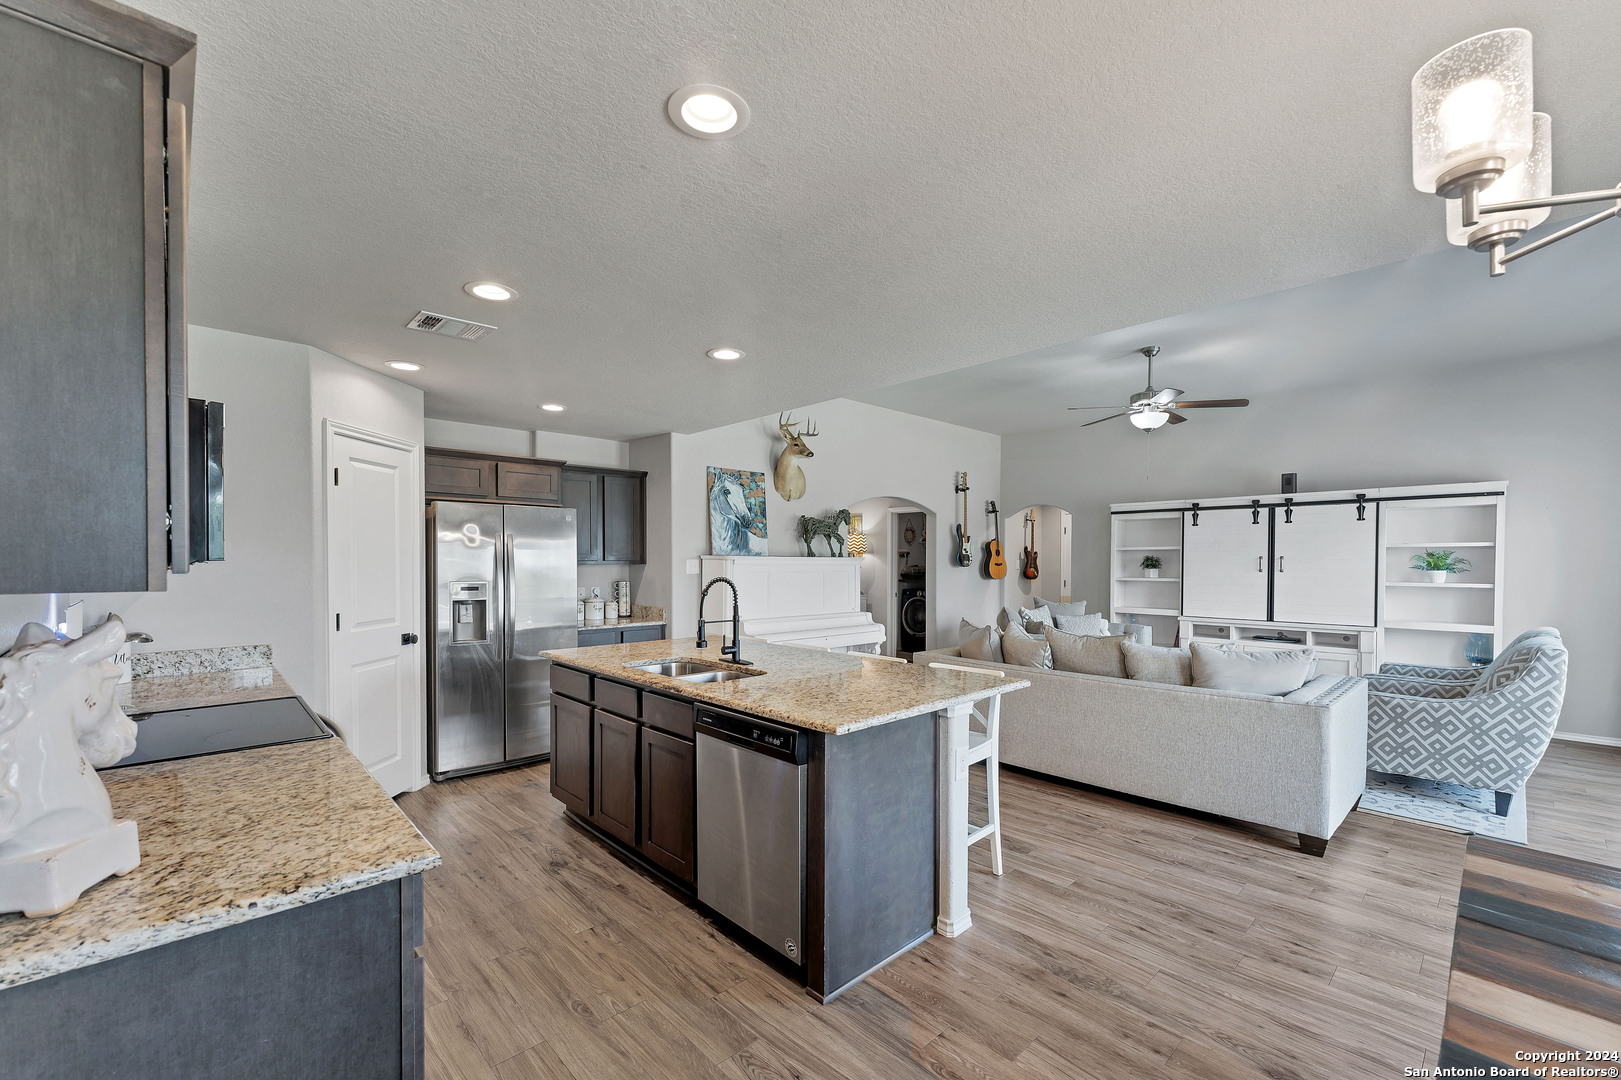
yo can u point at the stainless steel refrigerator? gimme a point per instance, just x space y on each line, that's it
503 580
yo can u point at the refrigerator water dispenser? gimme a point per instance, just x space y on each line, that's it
469 612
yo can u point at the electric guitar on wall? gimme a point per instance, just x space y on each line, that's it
1030 570
965 548
995 563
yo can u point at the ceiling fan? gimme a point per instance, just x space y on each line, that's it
1153 408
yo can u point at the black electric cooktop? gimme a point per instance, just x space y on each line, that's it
216 729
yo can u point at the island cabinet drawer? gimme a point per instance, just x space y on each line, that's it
619 698
576 684
615 786
669 808
571 754
670 715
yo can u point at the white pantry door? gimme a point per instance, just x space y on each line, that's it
374 529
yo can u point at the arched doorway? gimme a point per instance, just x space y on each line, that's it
898 571
1044 530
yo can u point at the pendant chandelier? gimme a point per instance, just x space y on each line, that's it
1478 144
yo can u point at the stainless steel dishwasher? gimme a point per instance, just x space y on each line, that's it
751 826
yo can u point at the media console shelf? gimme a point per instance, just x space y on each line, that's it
1330 568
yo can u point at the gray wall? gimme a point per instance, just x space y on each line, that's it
1545 425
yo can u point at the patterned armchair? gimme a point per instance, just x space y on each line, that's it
1479 727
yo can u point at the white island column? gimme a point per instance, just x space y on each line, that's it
951 824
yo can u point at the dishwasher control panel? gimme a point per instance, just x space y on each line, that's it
763 736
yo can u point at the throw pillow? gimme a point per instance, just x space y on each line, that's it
980 642
1028 618
1025 649
1062 609
1094 625
1266 671
1150 663
1087 653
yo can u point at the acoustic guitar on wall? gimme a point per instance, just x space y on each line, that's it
1031 572
995 562
965 548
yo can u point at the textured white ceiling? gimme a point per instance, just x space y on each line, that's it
1434 311
923 186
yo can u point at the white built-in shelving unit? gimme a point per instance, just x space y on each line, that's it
1134 597
1329 569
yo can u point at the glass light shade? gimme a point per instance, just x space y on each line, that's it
1470 103
1150 419
1530 179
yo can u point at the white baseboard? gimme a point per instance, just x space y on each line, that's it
1596 740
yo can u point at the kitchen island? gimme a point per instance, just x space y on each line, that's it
271 928
710 783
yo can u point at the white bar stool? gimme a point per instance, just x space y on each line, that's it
984 748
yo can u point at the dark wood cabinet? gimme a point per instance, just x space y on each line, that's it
531 481
624 533
468 474
615 786
668 805
468 477
93 402
571 754
583 492
612 506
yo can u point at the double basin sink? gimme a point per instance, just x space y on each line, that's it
695 671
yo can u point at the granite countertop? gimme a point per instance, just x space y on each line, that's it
163 692
224 839
622 624
834 693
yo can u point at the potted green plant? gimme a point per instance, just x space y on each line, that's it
1436 565
1151 565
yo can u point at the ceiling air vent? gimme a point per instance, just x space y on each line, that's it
430 323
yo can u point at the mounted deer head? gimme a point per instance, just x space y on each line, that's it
789 479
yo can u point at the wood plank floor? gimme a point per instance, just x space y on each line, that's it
1124 940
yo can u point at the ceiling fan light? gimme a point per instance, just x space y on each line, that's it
1149 419
1472 105
1530 179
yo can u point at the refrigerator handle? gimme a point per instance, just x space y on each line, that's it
509 633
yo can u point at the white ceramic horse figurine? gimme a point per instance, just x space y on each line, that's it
58 724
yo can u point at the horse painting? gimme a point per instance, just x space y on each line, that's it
736 512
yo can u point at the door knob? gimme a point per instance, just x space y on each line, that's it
408 639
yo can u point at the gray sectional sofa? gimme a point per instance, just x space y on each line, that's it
1297 762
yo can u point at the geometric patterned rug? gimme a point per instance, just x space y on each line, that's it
1451 806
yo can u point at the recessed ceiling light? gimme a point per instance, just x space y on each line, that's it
404 365
708 112
725 354
488 290
552 406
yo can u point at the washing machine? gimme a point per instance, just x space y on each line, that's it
914 621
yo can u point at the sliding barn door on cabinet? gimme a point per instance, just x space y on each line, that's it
1224 561
1327 564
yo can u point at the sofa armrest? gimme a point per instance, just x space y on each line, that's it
1416 687
1441 674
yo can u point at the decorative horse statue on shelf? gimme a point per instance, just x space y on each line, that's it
58 724
827 528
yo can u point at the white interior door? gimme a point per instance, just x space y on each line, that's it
1327 566
1224 565
374 533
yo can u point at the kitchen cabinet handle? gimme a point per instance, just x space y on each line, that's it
1280 564
1260 564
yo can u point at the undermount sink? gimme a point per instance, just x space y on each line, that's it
677 668
694 671
719 675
